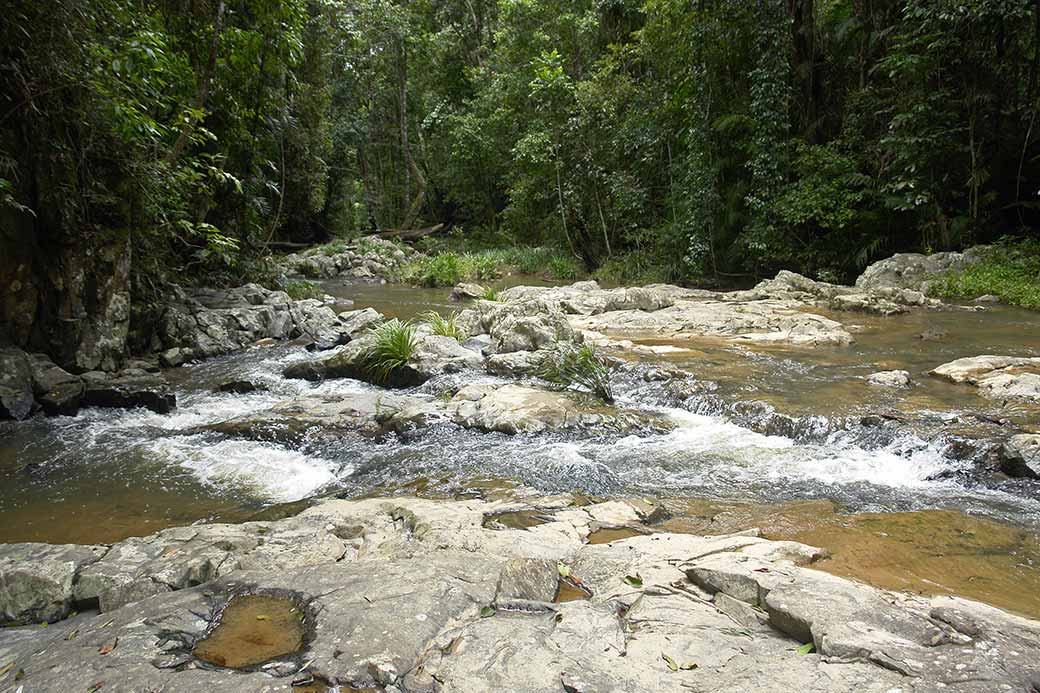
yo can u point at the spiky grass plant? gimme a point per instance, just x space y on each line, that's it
395 342
568 365
444 325
490 294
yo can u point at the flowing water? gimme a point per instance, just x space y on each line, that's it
896 505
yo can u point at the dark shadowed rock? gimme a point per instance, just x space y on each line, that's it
57 391
128 389
16 389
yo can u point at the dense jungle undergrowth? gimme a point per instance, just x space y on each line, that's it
709 142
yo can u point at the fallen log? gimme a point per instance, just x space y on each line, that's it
411 234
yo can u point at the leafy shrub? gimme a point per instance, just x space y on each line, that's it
446 326
441 270
483 266
563 267
301 289
1011 271
395 342
333 248
568 365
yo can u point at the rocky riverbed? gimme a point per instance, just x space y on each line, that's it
416 595
875 397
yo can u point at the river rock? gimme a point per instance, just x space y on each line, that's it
199 323
404 608
1022 456
514 363
16 385
182 557
434 355
890 378
515 408
465 291
128 389
881 300
36 580
912 270
996 377
367 259
315 415
56 390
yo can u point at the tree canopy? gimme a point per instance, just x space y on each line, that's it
690 140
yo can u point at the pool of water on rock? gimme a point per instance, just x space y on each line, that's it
253 629
899 509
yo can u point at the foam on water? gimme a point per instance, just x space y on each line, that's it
753 458
263 469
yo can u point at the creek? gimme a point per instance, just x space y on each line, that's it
896 506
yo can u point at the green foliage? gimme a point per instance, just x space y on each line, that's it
301 289
568 365
444 325
563 267
490 294
1011 271
395 342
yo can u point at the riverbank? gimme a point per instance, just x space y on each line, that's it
444 596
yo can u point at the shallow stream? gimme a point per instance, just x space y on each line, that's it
899 509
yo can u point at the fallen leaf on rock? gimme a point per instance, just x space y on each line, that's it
670 662
487 611
105 649
5 669
262 617
806 648
72 634
688 666
634 580
563 570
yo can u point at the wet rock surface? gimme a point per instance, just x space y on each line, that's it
423 597
996 377
32 382
128 389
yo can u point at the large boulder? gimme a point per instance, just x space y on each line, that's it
128 389
56 390
433 355
913 270
16 385
1022 456
36 580
996 377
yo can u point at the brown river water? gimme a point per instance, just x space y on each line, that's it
899 511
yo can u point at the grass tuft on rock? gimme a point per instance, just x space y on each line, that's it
444 325
568 365
395 342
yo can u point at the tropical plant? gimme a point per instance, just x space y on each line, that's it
444 325
395 342
568 365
